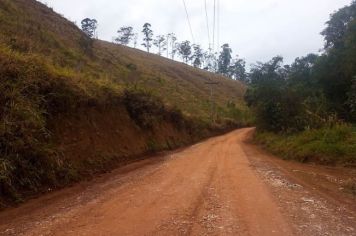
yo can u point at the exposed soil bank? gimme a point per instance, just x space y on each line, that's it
91 141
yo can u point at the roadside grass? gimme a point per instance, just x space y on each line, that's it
328 145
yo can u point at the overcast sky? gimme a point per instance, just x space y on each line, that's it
257 30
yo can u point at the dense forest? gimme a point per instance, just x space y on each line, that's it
314 89
314 92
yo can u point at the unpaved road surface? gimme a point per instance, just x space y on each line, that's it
222 186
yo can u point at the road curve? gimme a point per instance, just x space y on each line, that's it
211 188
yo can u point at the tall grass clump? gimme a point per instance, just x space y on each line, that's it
25 161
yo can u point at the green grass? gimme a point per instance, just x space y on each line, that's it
328 145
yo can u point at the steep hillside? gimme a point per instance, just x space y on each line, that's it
71 107
30 28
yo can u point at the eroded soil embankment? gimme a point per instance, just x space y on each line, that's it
97 140
90 141
99 137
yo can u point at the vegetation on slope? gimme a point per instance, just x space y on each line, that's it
50 68
327 145
305 102
29 27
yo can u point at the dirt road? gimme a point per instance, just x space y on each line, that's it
223 186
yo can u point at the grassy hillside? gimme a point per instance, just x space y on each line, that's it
32 29
71 107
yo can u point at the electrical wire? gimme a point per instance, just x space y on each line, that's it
188 19
218 24
214 24
207 22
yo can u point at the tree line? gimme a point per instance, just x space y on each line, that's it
315 90
169 46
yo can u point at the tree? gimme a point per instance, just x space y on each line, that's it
148 34
171 44
278 108
301 72
161 43
267 73
237 70
174 46
135 38
185 50
125 35
205 60
224 59
210 61
89 27
336 68
338 26
286 98
313 88
351 102
197 56
174 51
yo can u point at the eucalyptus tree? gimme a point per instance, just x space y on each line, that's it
135 38
125 35
185 50
224 59
171 45
161 43
237 69
89 27
198 55
148 34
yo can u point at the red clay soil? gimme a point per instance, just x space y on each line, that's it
97 134
222 186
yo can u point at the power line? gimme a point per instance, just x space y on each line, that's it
207 23
218 24
214 24
190 25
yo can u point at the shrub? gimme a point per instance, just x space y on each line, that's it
145 109
175 116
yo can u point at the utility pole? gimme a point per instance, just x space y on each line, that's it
212 84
